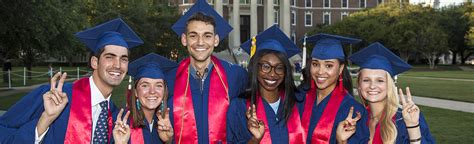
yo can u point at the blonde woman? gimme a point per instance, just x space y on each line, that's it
388 122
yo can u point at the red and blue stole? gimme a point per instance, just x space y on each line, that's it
183 110
296 132
323 130
79 126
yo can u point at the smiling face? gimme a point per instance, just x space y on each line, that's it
200 40
373 85
271 72
325 73
150 92
111 67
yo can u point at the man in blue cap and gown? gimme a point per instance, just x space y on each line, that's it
202 85
79 112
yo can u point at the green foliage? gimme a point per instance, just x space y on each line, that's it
409 30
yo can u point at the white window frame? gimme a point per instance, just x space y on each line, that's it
324 18
246 2
311 16
306 3
276 2
259 1
293 18
294 2
344 14
347 3
324 4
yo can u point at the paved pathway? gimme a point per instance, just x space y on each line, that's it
444 104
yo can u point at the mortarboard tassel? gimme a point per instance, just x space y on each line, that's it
253 49
129 91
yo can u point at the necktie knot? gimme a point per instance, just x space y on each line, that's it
104 104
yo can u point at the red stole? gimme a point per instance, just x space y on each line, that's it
136 134
308 106
377 135
218 103
323 130
295 130
79 126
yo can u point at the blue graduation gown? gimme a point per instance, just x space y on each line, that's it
148 137
361 135
402 131
18 124
237 130
237 80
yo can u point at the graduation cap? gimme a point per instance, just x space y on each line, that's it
114 32
222 27
329 46
273 39
150 66
376 56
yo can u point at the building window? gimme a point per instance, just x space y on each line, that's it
225 1
308 19
259 1
326 18
344 15
276 2
345 4
308 3
292 2
277 16
327 3
362 3
244 1
293 37
187 2
293 17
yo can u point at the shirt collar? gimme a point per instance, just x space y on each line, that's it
96 95
193 71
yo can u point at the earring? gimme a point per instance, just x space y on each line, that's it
138 104
162 107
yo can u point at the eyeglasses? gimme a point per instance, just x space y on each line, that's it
267 68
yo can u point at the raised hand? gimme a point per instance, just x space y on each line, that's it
410 112
121 130
55 100
165 131
255 126
347 128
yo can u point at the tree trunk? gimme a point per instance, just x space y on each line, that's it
454 57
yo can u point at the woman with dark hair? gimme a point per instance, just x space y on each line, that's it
389 122
149 114
326 93
267 112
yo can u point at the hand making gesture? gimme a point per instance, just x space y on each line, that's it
346 128
255 126
121 130
410 112
165 131
55 99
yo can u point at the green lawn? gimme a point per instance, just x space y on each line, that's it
444 89
450 127
441 74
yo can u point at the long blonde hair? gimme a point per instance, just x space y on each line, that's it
388 130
